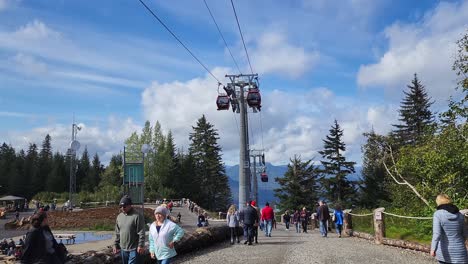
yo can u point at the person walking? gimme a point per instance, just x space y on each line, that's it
304 219
129 233
267 218
232 219
40 245
323 214
296 220
249 216
448 237
257 221
163 235
338 219
287 219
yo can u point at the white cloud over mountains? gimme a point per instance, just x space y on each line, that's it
426 47
292 123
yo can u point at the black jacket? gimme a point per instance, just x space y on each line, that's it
35 246
250 215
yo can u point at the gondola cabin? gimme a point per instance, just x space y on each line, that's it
264 177
253 98
222 102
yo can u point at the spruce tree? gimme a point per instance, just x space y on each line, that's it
209 169
416 119
30 172
83 182
374 187
335 168
45 165
58 178
113 172
299 186
7 165
96 170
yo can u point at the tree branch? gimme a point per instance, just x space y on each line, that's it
404 181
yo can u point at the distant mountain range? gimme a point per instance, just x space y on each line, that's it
265 189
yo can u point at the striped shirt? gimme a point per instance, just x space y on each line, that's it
448 238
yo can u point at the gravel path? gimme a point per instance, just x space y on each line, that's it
290 247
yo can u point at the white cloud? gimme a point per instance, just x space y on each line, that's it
274 54
36 30
426 48
106 139
292 123
29 64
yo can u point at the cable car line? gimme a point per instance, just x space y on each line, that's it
242 36
225 43
181 43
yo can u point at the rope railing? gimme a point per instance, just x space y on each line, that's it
408 217
361 214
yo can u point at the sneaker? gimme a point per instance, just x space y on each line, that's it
269 235
245 243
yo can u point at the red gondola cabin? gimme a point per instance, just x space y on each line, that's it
264 177
222 102
253 98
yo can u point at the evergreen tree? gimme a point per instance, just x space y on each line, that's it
335 167
209 169
167 165
18 186
416 119
30 171
83 182
7 165
113 172
44 164
58 179
96 170
299 186
374 187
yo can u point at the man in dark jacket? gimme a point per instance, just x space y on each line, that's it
323 214
249 216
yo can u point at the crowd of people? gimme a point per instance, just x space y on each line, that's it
40 246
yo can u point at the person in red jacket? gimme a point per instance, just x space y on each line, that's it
267 218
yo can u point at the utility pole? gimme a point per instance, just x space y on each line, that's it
71 152
256 154
237 97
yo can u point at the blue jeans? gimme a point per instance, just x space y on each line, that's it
268 226
323 228
165 261
130 257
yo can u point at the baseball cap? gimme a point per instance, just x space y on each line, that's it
125 201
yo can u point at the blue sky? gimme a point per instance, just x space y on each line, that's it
112 66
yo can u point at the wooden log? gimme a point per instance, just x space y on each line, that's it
406 244
348 223
363 235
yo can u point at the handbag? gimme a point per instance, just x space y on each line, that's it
334 218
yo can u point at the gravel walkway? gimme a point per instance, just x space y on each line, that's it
290 247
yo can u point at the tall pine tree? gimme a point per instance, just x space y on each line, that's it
416 119
374 187
45 165
83 182
58 178
299 186
335 168
209 169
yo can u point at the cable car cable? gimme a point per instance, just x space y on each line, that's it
225 43
242 36
181 43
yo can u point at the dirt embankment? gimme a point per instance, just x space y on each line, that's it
94 218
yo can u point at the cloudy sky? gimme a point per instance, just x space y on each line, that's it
112 66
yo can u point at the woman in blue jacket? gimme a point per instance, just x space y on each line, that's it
163 235
338 219
448 238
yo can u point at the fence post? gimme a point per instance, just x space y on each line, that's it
348 223
379 225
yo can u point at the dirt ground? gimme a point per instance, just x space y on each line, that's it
95 218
